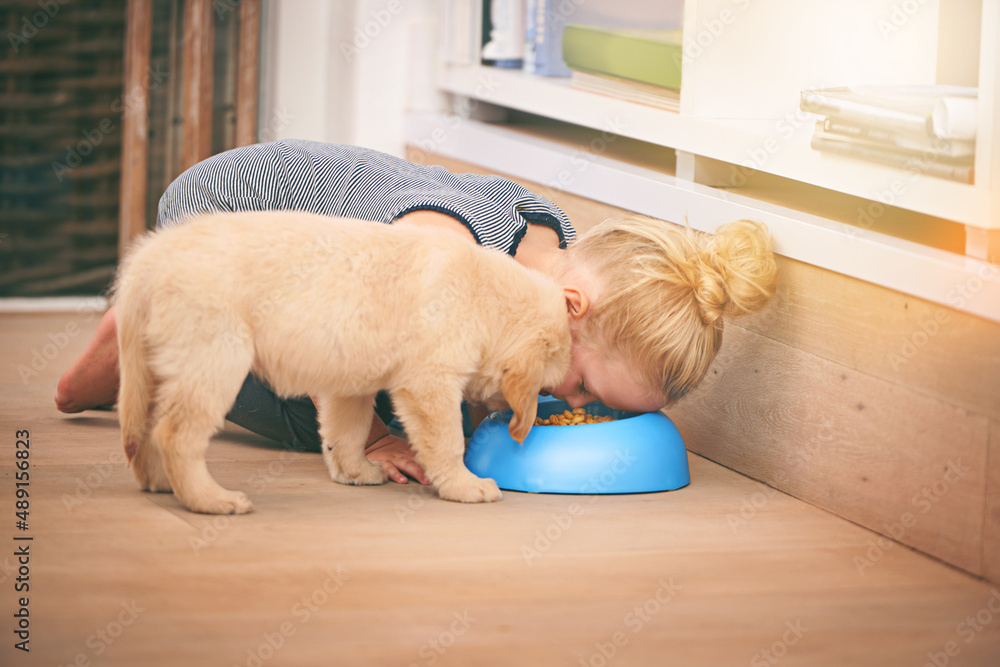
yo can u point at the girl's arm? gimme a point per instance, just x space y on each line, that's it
537 249
436 220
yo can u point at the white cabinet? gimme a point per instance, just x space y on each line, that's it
746 62
739 147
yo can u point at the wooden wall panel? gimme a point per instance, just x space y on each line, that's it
882 455
991 540
931 348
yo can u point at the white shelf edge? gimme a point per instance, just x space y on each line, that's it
910 268
725 141
53 304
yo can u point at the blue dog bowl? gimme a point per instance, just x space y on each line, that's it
636 453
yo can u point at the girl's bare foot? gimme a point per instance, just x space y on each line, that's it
92 380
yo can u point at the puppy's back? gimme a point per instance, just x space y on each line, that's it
346 283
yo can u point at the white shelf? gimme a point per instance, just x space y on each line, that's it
87 306
772 146
911 268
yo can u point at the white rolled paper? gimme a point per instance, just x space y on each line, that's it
955 118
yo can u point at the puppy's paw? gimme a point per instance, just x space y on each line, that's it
155 482
236 503
158 486
228 502
470 490
368 474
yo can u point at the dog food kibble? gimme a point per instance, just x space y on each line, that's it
567 418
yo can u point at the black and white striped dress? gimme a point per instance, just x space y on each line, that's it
348 181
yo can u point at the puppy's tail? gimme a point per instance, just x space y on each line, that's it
136 381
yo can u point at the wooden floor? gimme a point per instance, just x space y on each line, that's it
723 572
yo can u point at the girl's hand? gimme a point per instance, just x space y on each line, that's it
396 458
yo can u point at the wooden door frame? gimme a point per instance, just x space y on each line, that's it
199 59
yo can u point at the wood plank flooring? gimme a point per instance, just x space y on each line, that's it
724 572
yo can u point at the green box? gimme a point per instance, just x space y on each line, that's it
648 56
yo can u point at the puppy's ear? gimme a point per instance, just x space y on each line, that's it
519 385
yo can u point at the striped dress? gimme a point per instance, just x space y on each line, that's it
336 180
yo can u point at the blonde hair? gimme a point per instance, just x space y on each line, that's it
664 289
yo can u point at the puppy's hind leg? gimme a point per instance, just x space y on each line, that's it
432 418
135 402
344 424
137 419
192 407
147 465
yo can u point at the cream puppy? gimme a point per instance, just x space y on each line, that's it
336 309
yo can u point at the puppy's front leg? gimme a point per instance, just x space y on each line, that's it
433 421
344 424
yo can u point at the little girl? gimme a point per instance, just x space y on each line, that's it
645 299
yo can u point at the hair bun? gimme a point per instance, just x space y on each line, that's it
709 288
738 271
